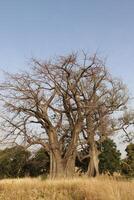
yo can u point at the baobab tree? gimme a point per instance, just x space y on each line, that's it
44 107
58 103
104 98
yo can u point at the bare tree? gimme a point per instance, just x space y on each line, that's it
105 98
61 105
126 124
44 107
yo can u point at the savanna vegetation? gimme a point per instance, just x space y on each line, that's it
101 188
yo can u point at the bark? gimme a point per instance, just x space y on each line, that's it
52 166
70 166
93 167
56 167
70 155
61 167
56 162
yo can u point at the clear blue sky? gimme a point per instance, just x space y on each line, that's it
45 28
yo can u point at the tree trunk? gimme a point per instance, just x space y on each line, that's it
52 166
56 167
70 165
56 161
60 168
70 155
63 167
93 167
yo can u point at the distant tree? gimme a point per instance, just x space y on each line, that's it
38 164
128 162
12 162
109 157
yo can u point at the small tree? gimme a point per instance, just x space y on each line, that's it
12 162
109 157
38 164
128 163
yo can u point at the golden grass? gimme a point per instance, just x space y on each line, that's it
101 188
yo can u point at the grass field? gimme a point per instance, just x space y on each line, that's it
101 188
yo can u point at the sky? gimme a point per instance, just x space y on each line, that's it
47 28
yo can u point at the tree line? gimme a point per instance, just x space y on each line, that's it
19 162
69 106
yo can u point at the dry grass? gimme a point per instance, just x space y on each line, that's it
101 188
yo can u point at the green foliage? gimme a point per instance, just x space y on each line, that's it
17 162
128 162
38 164
109 157
12 162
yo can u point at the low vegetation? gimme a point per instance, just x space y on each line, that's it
101 188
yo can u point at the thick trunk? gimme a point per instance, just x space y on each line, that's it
93 167
70 165
61 168
56 161
70 155
52 166
56 167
